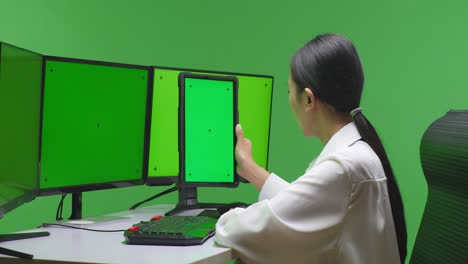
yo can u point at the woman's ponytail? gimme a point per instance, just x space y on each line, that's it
371 137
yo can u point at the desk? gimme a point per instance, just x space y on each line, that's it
80 246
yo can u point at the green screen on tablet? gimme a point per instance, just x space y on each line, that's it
209 114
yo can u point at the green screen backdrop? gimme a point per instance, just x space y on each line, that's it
20 97
209 131
254 104
93 124
414 55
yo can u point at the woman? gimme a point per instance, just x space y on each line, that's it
347 207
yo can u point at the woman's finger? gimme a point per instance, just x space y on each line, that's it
239 132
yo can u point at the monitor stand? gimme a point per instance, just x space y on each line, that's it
11 237
77 206
76 217
188 201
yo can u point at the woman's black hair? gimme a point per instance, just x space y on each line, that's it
330 66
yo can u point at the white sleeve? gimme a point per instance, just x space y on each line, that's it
273 185
297 225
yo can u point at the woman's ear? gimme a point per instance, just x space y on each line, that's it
311 100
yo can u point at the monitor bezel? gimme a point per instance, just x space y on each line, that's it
182 183
103 185
174 179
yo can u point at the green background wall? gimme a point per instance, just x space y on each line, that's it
414 54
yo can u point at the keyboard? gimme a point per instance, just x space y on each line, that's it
174 230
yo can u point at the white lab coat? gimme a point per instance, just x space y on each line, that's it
337 212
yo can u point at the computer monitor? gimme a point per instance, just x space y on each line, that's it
20 100
254 99
94 125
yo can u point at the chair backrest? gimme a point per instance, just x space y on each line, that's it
443 234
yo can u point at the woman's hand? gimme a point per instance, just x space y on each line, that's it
243 153
246 166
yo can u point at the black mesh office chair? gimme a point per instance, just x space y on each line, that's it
443 234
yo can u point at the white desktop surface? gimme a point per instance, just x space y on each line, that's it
72 245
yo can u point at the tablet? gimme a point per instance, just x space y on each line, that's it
207 118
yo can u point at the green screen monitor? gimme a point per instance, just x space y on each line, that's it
93 125
207 119
20 101
20 108
254 106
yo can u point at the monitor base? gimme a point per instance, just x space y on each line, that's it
181 207
188 201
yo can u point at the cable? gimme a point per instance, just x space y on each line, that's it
82 228
154 197
61 207
58 215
